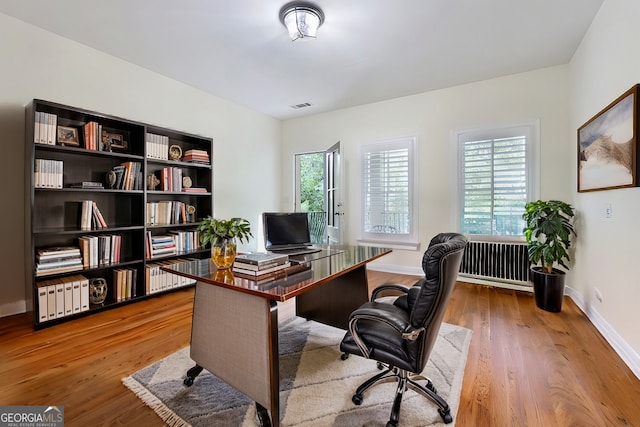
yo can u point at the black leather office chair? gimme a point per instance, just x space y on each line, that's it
400 333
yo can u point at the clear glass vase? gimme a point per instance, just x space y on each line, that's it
223 253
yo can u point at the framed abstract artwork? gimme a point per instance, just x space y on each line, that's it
607 146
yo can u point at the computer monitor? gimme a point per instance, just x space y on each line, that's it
286 230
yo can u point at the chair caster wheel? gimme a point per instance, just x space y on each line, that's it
357 399
446 416
392 424
188 381
344 356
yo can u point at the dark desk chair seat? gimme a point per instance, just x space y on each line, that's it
400 333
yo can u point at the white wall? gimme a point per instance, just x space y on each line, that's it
39 64
537 95
607 254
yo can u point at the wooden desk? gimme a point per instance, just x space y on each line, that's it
234 332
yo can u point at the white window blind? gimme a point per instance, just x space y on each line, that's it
495 180
387 169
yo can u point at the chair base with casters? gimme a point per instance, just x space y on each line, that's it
400 332
406 380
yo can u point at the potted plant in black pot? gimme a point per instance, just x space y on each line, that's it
548 232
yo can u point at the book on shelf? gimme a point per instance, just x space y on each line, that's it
90 216
261 258
42 271
166 212
157 146
171 179
62 297
92 132
128 176
160 245
99 219
157 280
100 250
57 252
92 185
45 126
58 263
195 190
48 173
124 283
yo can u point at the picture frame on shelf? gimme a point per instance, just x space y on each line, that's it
607 146
68 136
115 142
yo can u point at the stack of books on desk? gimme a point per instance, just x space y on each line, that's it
259 264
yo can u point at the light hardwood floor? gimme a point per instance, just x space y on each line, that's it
526 367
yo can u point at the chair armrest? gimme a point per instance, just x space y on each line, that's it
388 314
388 287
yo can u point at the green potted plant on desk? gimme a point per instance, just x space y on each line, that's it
548 232
222 235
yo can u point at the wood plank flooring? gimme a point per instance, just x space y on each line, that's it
525 367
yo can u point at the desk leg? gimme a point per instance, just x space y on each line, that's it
235 337
192 374
332 302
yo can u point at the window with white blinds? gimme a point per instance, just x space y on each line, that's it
388 183
495 180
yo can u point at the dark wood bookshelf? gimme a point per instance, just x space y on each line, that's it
53 215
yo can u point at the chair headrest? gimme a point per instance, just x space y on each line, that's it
439 246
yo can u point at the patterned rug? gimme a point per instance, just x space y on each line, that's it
316 385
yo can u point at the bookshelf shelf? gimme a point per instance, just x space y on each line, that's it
99 147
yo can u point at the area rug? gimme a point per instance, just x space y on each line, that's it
316 385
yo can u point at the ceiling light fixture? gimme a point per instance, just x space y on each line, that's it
301 19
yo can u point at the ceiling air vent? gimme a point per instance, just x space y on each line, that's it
303 105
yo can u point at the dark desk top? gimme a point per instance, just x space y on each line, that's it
306 272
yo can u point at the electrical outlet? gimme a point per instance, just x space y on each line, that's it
608 210
598 294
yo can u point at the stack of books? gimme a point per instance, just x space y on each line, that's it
160 245
258 265
196 156
58 260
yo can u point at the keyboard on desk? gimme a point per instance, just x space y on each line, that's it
297 251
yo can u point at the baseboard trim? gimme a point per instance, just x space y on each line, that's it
619 345
16 307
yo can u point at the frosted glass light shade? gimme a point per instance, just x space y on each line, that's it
302 20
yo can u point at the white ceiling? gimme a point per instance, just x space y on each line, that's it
366 51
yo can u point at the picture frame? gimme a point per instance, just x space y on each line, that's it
68 136
607 146
115 142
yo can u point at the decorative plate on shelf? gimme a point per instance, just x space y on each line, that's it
175 152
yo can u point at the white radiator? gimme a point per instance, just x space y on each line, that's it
496 261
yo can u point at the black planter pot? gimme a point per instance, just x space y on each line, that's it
548 289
